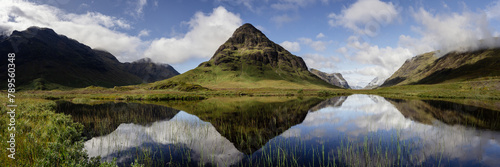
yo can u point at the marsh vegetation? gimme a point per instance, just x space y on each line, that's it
356 130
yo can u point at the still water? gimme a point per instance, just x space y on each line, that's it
358 130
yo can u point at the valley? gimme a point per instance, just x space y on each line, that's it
252 103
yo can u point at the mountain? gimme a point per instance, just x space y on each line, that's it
375 83
149 71
452 67
248 59
47 60
333 78
356 87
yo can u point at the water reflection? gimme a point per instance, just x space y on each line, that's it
104 118
183 135
359 130
428 131
249 122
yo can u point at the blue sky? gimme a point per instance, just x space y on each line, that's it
362 39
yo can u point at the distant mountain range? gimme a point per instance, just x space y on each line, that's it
46 60
376 82
452 67
334 78
149 71
248 59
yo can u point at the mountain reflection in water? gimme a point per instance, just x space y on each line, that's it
359 130
469 140
183 130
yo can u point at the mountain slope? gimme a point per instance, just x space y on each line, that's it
408 72
46 60
149 71
334 78
375 83
248 59
452 67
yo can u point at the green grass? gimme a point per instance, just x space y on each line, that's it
245 74
42 137
481 88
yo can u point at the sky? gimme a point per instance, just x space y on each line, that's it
361 39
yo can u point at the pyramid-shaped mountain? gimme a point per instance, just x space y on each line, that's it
248 59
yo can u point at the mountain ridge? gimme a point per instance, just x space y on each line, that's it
452 67
333 78
47 60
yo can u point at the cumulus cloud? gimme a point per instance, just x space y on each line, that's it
291 46
383 61
365 16
464 31
92 28
387 57
206 33
316 45
99 31
318 61
320 35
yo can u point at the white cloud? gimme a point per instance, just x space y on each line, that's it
206 34
137 8
93 18
493 10
445 5
291 46
282 19
249 4
342 50
100 31
365 16
450 32
320 35
316 45
143 33
92 28
291 4
319 61
140 6
384 61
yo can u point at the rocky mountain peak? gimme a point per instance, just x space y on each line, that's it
375 83
249 36
334 78
250 46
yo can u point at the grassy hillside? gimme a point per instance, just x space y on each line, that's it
452 67
248 59
408 72
249 76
